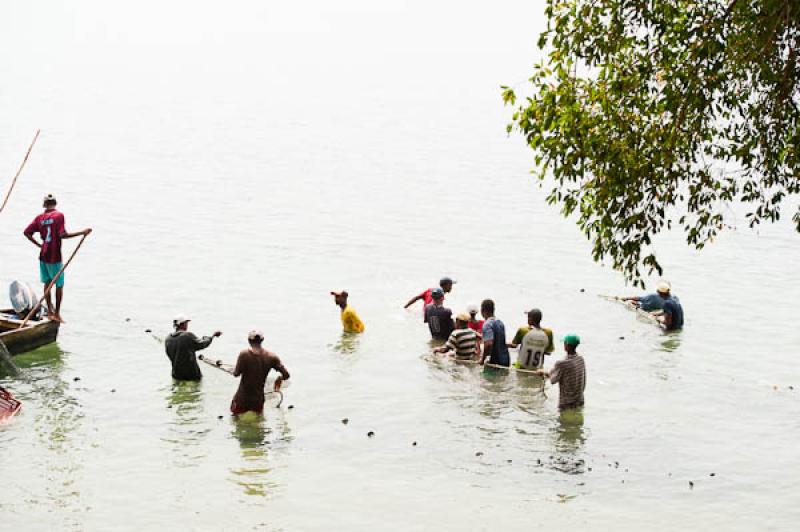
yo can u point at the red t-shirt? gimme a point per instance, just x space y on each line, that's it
476 326
50 226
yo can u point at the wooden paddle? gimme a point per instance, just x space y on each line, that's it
14 181
51 284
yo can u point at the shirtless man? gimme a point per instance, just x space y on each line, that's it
253 365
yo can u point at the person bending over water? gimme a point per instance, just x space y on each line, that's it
438 317
253 366
666 306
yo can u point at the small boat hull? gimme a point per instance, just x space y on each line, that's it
35 333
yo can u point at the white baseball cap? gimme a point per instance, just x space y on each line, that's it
180 319
255 336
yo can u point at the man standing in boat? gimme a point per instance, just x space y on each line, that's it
51 228
351 323
253 366
182 346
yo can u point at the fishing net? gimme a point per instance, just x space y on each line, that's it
5 359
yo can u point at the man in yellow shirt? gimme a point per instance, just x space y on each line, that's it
350 320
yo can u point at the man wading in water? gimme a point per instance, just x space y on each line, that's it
570 374
253 365
494 336
50 226
445 285
351 323
181 346
534 342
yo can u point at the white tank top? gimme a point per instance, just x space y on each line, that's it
532 348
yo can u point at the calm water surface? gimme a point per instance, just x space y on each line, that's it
237 162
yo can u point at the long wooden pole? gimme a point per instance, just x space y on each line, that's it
14 181
51 284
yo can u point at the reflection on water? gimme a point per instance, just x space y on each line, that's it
668 354
570 435
348 343
189 427
50 405
257 441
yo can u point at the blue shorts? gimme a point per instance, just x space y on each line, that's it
47 271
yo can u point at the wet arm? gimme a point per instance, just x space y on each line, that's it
284 376
413 300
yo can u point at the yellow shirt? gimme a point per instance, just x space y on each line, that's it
350 320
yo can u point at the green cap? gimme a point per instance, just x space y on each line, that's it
572 339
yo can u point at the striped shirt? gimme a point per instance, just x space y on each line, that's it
570 374
463 342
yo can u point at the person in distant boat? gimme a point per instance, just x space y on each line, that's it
445 284
463 341
253 366
494 337
534 342
51 228
182 346
438 317
570 374
474 323
350 320
652 302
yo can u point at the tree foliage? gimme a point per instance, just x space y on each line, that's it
649 114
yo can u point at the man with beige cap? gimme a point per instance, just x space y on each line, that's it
652 302
463 341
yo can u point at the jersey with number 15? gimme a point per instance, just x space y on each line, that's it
50 226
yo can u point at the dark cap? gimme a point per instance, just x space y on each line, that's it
446 280
342 293
437 293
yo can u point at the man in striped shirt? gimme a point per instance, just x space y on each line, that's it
463 341
570 374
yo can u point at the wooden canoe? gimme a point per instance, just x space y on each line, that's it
34 334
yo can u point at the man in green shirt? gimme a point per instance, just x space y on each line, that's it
534 342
